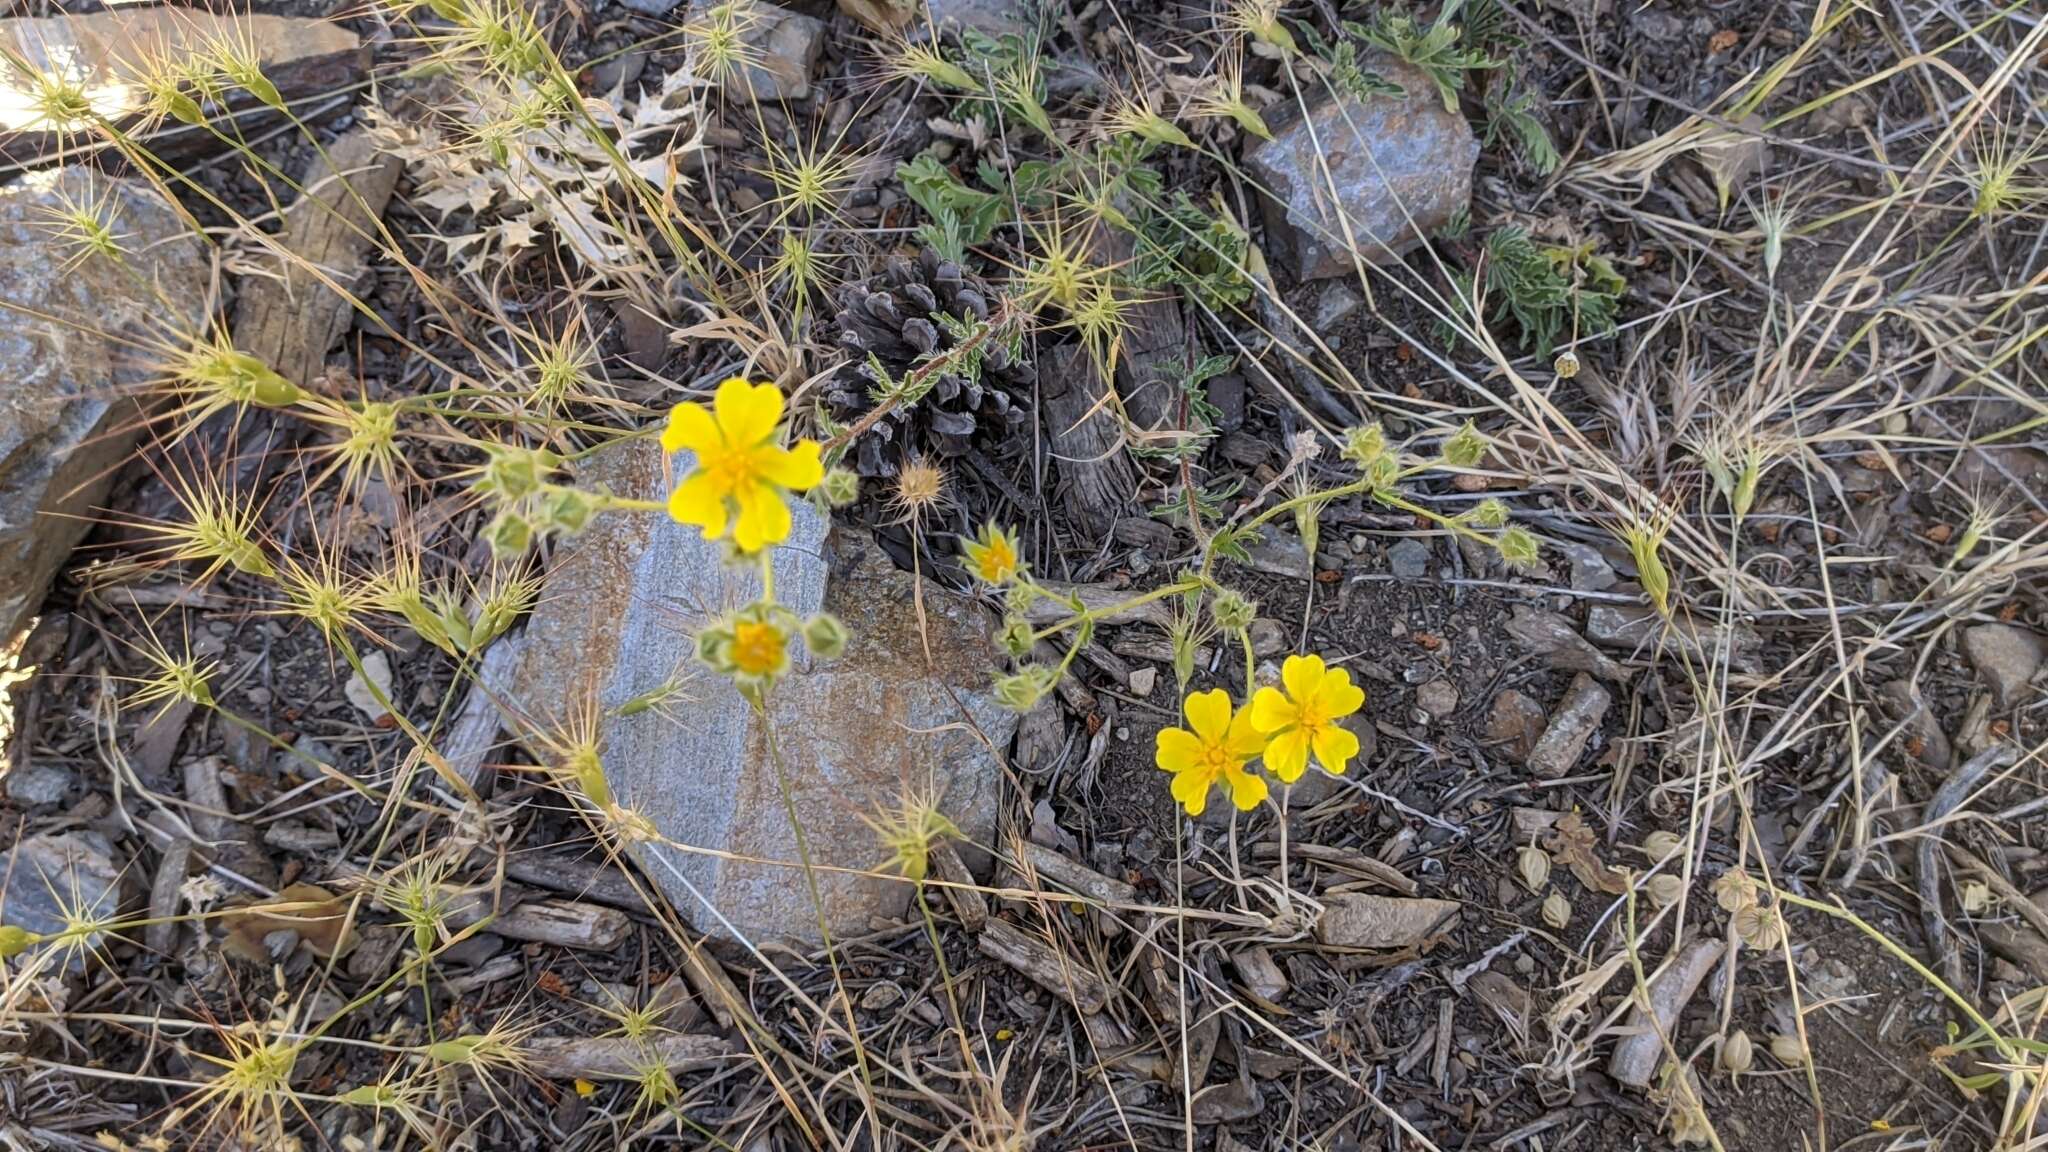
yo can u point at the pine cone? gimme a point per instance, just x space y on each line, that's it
891 317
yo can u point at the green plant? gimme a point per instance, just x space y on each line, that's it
961 216
1549 293
1433 49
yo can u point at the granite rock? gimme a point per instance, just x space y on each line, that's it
854 735
69 331
1400 168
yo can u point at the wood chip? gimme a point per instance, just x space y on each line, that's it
617 1058
292 321
967 902
1082 881
1344 860
1638 1054
1363 920
1044 966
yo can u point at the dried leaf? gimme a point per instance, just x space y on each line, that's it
318 916
1573 843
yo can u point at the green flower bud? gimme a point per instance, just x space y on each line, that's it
1465 448
1517 547
839 487
510 534
1022 691
1015 637
1488 514
569 509
1364 445
825 636
14 940
1232 611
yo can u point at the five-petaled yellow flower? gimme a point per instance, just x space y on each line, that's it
1212 749
992 555
741 473
759 649
1304 718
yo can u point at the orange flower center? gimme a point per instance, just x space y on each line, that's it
998 561
757 648
731 469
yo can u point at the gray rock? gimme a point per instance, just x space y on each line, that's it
1590 570
1401 167
1578 716
1439 698
853 735
1638 629
49 874
994 17
1551 636
1514 724
1409 559
69 334
782 48
2005 656
38 784
1336 302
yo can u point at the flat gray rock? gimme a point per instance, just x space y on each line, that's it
617 620
1571 727
1399 166
782 48
69 330
47 875
2006 657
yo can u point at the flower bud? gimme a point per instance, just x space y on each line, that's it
1557 911
1021 691
1232 612
1737 1053
1517 547
1465 448
1364 445
1489 514
14 940
510 534
1015 637
839 487
825 636
1566 365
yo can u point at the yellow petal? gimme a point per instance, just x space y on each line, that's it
1244 741
1302 675
1192 790
1340 696
698 500
690 426
763 520
1175 749
1272 711
796 467
1287 755
1208 714
1247 789
748 413
1335 746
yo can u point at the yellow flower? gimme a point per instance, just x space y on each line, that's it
1304 718
1212 749
992 556
741 473
759 648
